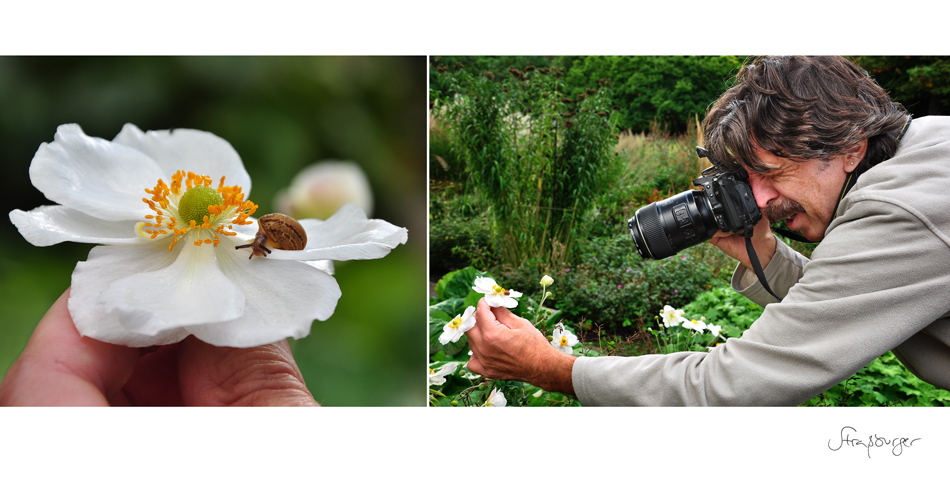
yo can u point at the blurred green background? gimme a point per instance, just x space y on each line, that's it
280 114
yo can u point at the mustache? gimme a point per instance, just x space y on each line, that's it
783 210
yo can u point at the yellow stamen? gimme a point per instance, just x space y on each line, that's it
227 209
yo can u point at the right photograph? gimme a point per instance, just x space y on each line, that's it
689 231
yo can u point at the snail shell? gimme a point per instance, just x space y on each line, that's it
280 232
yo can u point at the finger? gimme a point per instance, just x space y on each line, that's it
475 365
155 380
219 376
483 320
60 367
508 319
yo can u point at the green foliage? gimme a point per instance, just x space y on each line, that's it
884 382
920 83
611 284
668 90
459 232
536 157
725 307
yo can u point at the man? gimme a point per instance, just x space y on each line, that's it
804 129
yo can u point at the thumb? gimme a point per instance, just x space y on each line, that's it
218 376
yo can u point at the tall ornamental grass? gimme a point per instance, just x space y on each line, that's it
537 157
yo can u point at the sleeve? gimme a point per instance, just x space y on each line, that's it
881 275
783 271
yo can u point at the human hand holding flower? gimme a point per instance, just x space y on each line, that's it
59 367
507 347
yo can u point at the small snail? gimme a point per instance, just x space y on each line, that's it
279 230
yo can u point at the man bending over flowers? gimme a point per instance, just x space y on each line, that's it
803 128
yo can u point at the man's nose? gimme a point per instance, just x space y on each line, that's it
762 189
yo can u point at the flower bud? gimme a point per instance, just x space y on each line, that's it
547 281
320 189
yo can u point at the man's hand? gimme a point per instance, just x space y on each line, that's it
60 367
507 347
763 241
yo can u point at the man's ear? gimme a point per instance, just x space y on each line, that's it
854 155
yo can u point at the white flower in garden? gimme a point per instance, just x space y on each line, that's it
496 295
693 324
437 377
319 190
714 329
456 328
537 394
563 340
547 281
169 267
496 399
671 317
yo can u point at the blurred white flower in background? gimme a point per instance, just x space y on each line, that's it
320 189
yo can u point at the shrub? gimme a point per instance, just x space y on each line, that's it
613 287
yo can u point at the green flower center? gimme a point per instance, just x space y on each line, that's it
193 205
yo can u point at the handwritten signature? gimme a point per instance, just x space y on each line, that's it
897 443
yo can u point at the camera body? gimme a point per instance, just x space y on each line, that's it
724 202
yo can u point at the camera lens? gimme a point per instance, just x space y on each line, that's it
663 228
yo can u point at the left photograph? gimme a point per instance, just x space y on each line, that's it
213 231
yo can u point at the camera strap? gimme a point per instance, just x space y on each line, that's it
848 184
754 260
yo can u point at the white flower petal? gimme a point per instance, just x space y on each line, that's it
190 291
282 298
501 301
468 320
49 225
91 278
190 150
347 235
92 175
484 285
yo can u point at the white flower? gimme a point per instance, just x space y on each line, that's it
714 329
693 324
671 317
456 328
496 295
547 281
319 190
563 340
170 268
437 377
496 399
537 394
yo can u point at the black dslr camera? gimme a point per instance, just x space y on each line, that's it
725 202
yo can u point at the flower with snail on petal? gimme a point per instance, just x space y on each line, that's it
456 328
496 295
168 267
